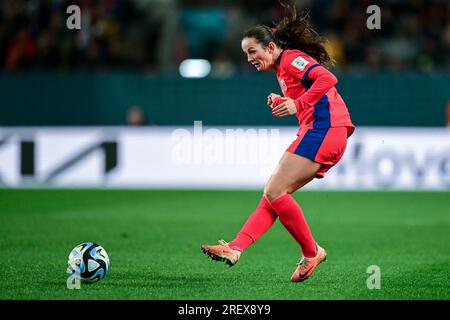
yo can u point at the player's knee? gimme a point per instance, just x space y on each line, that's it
273 193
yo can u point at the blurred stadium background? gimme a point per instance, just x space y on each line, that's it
129 52
113 105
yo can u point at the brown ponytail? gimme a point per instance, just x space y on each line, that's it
293 32
296 32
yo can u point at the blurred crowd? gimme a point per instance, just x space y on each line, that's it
156 35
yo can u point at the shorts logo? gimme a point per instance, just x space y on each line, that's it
300 63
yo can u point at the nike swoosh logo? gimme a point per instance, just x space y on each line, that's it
304 274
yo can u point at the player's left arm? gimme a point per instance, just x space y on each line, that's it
323 80
304 68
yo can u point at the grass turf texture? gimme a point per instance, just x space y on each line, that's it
153 239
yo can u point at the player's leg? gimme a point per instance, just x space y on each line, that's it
285 179
325 146
292 173
256 225
260 220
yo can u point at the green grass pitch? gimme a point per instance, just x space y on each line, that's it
153 239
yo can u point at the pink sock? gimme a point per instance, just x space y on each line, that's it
291 216
259 222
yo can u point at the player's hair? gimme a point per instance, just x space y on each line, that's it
293 32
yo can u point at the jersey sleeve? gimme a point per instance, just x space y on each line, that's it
297 63
317 80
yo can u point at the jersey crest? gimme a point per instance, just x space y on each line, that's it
300 63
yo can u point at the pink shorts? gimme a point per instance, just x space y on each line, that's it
323 145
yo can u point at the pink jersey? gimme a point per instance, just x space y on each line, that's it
311 86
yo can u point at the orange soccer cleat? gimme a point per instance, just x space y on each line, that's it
222 252
306 266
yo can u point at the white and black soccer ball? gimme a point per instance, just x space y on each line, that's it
88 262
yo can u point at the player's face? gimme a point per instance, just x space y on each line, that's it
259 56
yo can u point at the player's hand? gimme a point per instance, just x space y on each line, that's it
286 108
271 97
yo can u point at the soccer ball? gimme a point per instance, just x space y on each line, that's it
88 262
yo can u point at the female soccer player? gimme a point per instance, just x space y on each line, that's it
295 52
